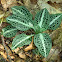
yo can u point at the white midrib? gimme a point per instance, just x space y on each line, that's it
23 14
18 11
41 37
22 41
21 23
54 20
40 24
9 31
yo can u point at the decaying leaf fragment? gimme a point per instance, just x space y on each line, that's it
57 1
8 3
1 13
51 9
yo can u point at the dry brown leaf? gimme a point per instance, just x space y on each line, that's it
27 3
8 3
33 1
44 60
19 60
51 9
1 47
4 55
16 50
30 47
57 1
21 55
28 54
1 13
12 57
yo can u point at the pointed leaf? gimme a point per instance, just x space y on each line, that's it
21 40
42 19
21 23
21 11
43 43
9 31
55 20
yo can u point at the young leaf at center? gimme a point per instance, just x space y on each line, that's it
42 20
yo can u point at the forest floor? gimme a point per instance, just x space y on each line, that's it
19 55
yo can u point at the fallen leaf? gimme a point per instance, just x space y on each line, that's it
1 13
21 55
33 1
4 55
8 3
51 9
1 47
57 1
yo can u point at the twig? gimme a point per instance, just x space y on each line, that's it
8 56
20 2
51 55
9 48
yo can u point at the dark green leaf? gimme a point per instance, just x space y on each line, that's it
21 23
42 19
21 40
21 11
43 42
9 31
55 20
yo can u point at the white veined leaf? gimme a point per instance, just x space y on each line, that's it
21 40
42 19
21 23
21 11
43 42
9 31
55 20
